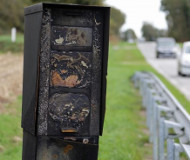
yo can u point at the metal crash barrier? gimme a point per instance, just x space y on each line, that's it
167 120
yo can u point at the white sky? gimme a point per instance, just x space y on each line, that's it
139 11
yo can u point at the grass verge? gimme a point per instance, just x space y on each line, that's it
10 132
7 46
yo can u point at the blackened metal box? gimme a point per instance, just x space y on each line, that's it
65 68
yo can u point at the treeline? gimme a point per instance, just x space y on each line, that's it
12 13
151 33
178 18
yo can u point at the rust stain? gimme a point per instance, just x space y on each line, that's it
64 71
55 156
70 81
68 131
67 148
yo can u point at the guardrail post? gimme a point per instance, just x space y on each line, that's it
158 141
170 149
155 133
161 138
149 106
152 116
173 150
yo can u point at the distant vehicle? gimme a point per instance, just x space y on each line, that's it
184 60
166 47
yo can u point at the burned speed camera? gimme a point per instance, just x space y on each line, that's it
65 67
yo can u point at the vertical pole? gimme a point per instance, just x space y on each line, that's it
170 149
161 139
155 133
13 34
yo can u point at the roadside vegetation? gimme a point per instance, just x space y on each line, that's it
125 133
6 45
11 132
124 130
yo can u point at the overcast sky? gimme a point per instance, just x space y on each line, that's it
138 11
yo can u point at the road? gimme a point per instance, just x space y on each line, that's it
167 67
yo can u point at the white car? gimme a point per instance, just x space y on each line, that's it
184 60
166 47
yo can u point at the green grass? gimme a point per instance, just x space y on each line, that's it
7 38
124 135
10 132
7 46
180 44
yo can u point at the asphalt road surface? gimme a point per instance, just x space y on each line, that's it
167 67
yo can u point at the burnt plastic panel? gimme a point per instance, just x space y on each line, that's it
71 72
29 146
31 70
50 148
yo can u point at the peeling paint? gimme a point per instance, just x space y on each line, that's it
71 36
71 71
84 64
70 81
59 41
69 111
67 148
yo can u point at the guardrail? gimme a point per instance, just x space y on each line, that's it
167 120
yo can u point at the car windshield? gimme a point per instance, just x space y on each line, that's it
187 49
166 43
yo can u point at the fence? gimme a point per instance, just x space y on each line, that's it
167 120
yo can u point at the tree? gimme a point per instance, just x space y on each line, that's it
129 35
117 19
150 33
178 18
11 13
